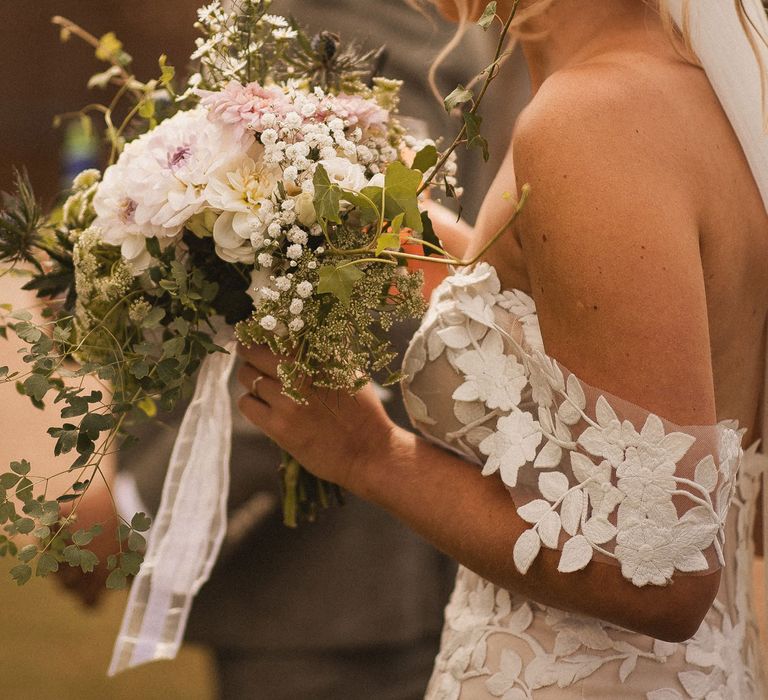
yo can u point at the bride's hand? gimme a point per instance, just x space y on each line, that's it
333 436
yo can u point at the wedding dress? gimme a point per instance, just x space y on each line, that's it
597 478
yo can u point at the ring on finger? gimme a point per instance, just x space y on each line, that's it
255 386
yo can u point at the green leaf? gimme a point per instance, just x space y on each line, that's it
147 108
42 533
387 241
147 406
8 480
366 203
95 423
339 281
141 522
21 573
474 138
71 555
173 347
88 561
46 564
425 158
28 553
140 369
167 73
82 538
486 19
130 563
117 580
36 386
401 185
22 468
327 197
153 318
458 97
24 525
136 542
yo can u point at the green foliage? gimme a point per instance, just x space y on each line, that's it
488 16
339 281
459 96
327 197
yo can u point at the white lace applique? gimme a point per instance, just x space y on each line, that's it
597 479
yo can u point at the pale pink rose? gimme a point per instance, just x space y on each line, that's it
360 112
245 105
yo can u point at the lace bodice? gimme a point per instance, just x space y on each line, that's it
598 479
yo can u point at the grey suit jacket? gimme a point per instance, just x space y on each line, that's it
356 578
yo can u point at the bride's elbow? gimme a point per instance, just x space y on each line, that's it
682 607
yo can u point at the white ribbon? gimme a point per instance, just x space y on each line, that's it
189 527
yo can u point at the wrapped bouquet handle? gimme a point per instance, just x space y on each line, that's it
189 527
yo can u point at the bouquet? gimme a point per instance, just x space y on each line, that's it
274 198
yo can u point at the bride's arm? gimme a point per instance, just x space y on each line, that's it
613 254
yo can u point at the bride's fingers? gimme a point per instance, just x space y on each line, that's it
259 385
260 357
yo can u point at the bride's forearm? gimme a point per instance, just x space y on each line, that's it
473 519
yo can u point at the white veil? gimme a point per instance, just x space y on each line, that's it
731 50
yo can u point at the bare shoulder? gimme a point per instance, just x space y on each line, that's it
622 107
611 242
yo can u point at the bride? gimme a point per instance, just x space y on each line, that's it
586 389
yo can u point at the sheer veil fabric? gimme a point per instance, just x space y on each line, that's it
733 66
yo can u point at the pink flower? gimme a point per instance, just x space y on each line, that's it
245 105
360 112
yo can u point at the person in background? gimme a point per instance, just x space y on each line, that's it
352 605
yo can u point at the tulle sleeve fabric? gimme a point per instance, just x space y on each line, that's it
596 477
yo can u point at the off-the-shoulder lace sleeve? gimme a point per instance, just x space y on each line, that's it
597 477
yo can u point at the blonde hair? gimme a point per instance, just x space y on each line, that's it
467 9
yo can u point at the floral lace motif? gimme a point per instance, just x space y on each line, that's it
597 478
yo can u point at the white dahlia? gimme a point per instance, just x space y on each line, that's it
160 179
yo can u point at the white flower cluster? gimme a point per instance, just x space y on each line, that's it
240 168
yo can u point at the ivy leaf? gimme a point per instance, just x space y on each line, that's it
391 240
21 573
458 97
327 197
425 158
387 241
339 281
487 18
141 522
365 205
400 187
474 138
